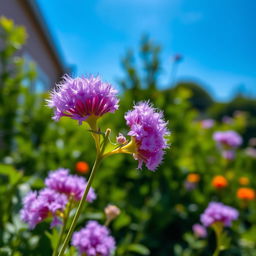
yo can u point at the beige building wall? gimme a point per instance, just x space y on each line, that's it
39 46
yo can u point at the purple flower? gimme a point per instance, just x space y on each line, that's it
228 154
81 97
120 139
70 185
199 230
250 152
228 139
252 142
207 123
189 186
94 240
227 120
218 212
149 130
39 206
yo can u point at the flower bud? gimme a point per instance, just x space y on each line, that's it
120 139
111 212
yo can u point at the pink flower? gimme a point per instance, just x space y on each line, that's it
94 240
218 212
39 206
80 98
199 230
149 130
120 139
70 185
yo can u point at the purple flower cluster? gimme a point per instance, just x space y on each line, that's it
80 98
218 212
230 139
39 206
207 123
199 230
94 240
52 201
149 130
70 185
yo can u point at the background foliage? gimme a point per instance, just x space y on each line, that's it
157 210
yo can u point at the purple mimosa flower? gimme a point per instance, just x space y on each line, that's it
94 240
149 129
70 185
80 98
218 212
199 230
230 139
39 206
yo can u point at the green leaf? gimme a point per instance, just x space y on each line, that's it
53 237
224 241
11 175
139 248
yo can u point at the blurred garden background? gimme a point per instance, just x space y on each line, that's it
194 60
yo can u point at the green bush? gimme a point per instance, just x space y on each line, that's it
157 209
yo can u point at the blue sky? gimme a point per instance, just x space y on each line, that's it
217 38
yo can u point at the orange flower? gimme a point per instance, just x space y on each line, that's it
245 193
82 167
243 181
193 177
219 181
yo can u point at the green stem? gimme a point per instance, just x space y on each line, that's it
81 205
62 232
216 252
107 222
217 230
92 121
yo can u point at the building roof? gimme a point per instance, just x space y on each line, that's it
34 9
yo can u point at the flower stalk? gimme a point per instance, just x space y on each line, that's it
63 229
217 227
96 165
80 206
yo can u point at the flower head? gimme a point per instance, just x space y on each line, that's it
252 142
199 230
94 240
120 139
39 206
228 154
245 194
82 167
148 129
207 123
189 186
251 152
80 98
219 182
70 185
227 120
244 181
112 212
218 212
228 139
193 178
